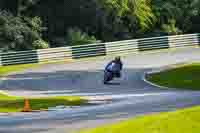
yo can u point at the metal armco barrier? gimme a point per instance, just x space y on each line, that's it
61 53
23 57
121 47
153 43
91 50
184 40
99 49
0 58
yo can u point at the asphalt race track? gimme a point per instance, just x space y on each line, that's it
130 95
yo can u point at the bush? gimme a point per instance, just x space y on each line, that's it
170 28
18 33
76 37
40 44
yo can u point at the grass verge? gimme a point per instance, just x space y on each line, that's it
4 70
15 104
185 77
183 121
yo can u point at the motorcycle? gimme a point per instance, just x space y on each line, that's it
108 76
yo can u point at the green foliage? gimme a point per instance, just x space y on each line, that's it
18 33
107 20
143 12
77 37
182 11
137 12
170 28
40 44
34 23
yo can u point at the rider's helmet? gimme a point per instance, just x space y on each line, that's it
117 59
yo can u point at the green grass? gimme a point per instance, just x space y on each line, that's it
15 104
4 70
185 77
183 121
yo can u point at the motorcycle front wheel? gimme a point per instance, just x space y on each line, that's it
107 77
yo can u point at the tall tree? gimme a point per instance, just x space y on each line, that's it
182 11
136 11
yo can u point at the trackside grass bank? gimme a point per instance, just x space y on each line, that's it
15 104
14 68
182 121
185 77
4 70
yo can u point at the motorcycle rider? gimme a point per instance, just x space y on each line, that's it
115 67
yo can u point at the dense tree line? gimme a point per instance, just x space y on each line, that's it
72 22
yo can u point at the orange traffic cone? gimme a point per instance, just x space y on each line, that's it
26 107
